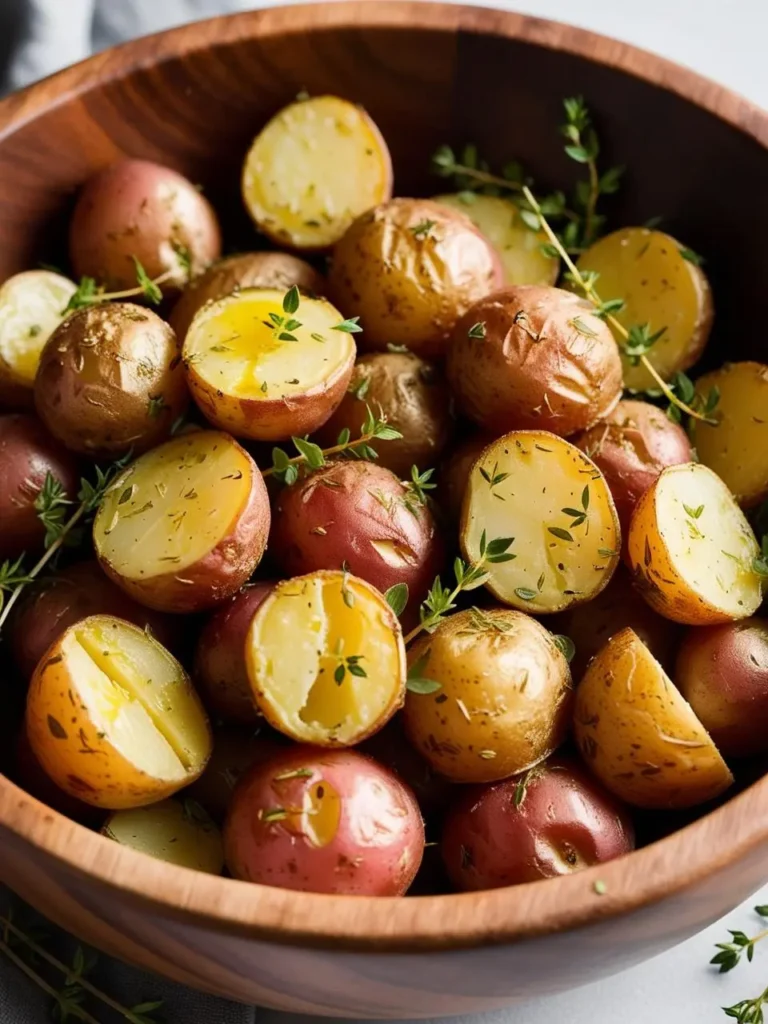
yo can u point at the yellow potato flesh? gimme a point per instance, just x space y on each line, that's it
538 476
31 308
172 506
299 639
518 247
659 287
316 166
174 831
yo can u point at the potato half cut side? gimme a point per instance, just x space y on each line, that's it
186 524
312 169
661 287
638 734
262 373
518 247
544 493
692 550
113 718
177 831
326 660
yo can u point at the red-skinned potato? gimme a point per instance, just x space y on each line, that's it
325 821
454 473
722 671
135 208
28 454
235 751
219 670
553 820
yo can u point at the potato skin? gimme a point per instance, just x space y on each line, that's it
722 671
142 209
246 270
409 284
412 395
514 686
533 369
110 380
368 841
555 820
27 454
31 776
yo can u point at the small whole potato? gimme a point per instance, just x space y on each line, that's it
28 454
409 269
536 358
135 208
494 695
455 471
722 671
411 395
110 380
325 821
553 820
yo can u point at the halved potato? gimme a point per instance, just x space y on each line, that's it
639 736
177 831
185 525
660 287
265 374
326 659
113 718
312 169
518 247
553 501
737 448
691 549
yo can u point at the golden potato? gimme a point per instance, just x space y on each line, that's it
692 550
661 287
263 373
177 831
556 503
113 718
498 698
737 448
639 736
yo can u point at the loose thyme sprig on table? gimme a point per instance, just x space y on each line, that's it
747 1011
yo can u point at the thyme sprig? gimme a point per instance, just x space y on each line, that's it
730 953
582 145
748 1011
416 489
89 293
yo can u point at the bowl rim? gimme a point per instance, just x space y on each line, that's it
667 867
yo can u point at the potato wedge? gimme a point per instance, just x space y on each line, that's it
518 247
262 373
185 525
312 169
113 718
554 502
326 659
736 449
691 549
177 831
661 287
639 736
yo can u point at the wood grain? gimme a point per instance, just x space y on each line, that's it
428 73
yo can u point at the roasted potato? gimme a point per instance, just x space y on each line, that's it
28 454
638 735
235 751
533 358
692 550
137 210
736 448
326 659
722 671
409 269
185 525
110 380
177 831
112 717
661 286
32 306
553 820
519 248
259 372
325 821
454 474
312 169
492 696
566 540
411 395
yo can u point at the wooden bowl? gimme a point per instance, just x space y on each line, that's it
429 74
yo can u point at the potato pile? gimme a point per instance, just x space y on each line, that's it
384 538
